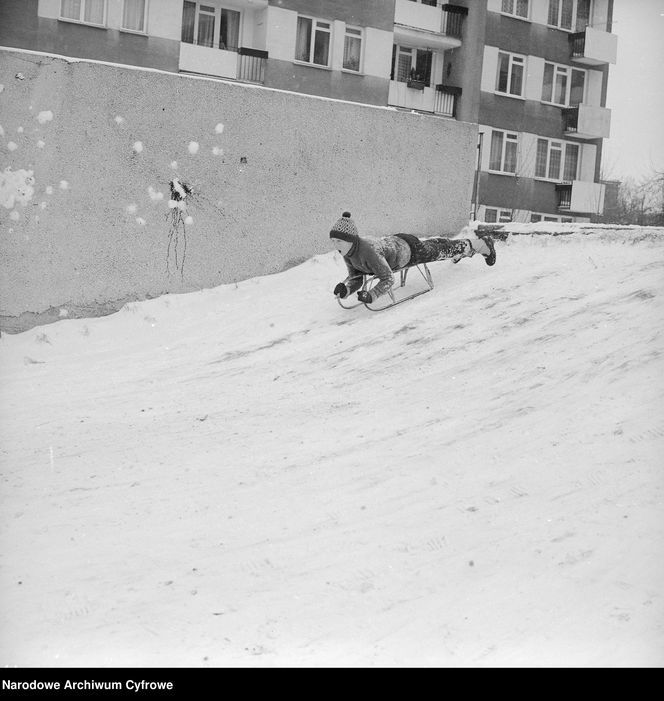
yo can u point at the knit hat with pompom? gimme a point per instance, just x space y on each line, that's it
345 229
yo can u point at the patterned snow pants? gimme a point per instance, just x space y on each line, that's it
436 248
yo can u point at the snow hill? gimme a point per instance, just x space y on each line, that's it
253 476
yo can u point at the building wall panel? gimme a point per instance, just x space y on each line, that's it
367 13
95 225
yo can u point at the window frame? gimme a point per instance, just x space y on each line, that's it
217 17
568 71
312 41
574 17
503 216
145 19
508 137
354 32
513 11
414 53
560 146
81 15
513 58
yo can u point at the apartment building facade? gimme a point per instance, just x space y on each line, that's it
532 74
542 110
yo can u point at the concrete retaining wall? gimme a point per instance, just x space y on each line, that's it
87 152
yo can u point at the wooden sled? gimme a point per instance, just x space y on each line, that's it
396 295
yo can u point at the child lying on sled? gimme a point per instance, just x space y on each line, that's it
366 255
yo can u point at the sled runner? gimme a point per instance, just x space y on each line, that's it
397 295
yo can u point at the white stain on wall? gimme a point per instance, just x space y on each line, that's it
45 116
155 195
16 187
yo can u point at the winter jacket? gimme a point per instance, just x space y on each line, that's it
376 256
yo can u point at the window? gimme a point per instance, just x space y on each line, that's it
87 11
563 85
571 164
133 15
518 8
510 74
411 64
200 24
493 215
571 15
503 155
229 33
352 49
313 41
582 15
555 159
206 22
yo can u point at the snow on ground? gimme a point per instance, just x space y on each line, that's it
253 476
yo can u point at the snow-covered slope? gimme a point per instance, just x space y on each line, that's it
253 476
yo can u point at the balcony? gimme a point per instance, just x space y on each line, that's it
244 64
587 122
581 197
416 95
593 47
447 97
427 25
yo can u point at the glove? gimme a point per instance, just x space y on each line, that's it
365 297
340 290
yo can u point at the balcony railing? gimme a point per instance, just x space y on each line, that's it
570 120
587 121
564 194
453 17
581 197
251 65
578 44
593 47
445 20
245 64
446 99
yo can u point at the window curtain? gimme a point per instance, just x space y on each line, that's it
94 11
404 64
510 155
577 88
567 14
303 45
70 9
503 72
423 62
188 20
547 85
540 162
230 30
522 8
582 15
516 85
133 15
555 159
561 88
554 11
496 155
571 162
321 47
206 21
352 51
